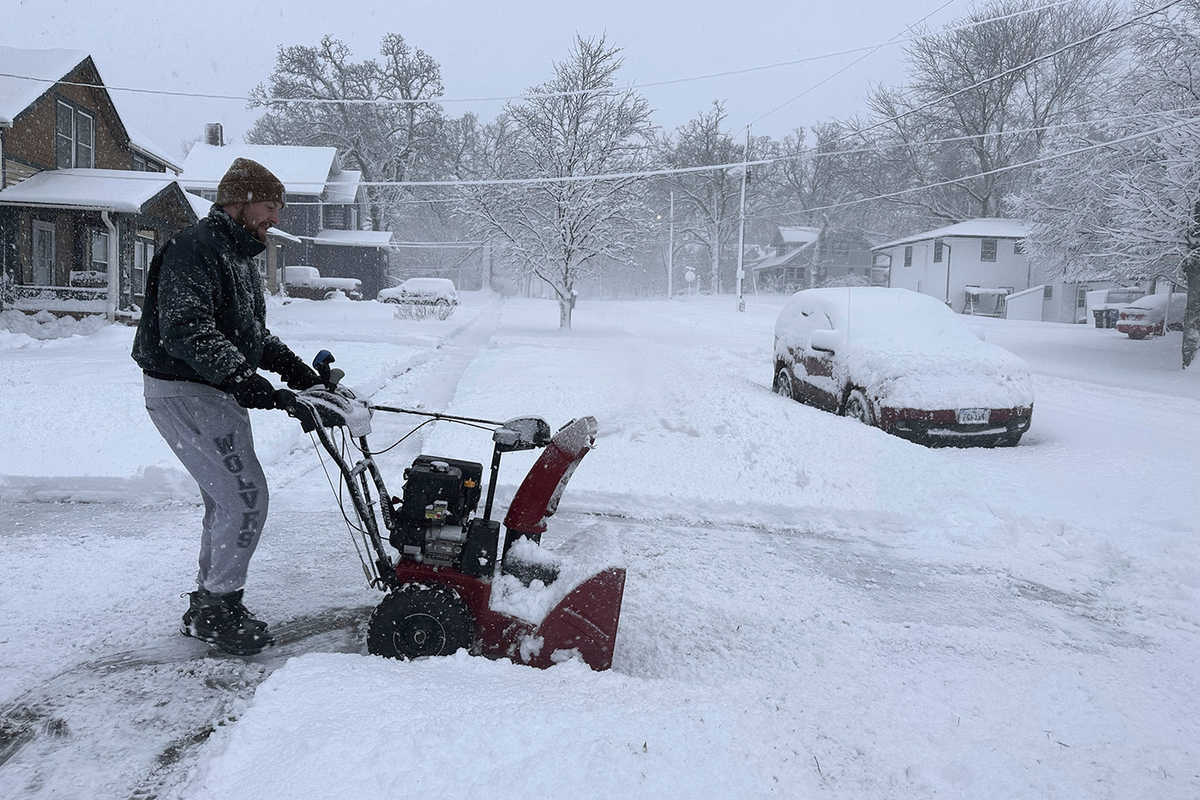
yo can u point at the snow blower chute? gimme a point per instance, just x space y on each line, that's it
456 581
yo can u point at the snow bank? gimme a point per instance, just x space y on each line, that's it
461 727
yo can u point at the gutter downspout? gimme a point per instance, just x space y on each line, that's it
113 273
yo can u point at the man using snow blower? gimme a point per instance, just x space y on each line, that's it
200 343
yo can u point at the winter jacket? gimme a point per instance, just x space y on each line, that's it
204 317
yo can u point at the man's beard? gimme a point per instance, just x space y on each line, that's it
257 230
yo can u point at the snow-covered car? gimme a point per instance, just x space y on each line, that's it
421 291
307 282
1145 317
903 362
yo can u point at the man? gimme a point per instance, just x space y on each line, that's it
201 339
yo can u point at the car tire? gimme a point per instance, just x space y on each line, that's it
1137 336
858 407
782 384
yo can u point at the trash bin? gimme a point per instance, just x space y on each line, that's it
1106 317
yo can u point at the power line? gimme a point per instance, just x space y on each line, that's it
998 170
862 58
529 96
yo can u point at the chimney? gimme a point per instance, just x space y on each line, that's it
213 134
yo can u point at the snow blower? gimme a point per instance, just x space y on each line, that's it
455 582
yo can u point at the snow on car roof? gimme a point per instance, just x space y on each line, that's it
909 349
433 284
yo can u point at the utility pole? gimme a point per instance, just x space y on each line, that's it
671 249
742 225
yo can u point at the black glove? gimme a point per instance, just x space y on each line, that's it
298 375
250 389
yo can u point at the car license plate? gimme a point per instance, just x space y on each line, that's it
972 416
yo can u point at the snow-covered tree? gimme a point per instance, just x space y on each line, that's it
554 222
706 203
1128 207
990 88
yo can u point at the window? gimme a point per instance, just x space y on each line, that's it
139 163
1048 292
99 251
1019 247
143 254
908 256
334 217
937 251
987 249
209 194
74 137
1081 296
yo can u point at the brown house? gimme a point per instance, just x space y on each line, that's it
84 201
805 258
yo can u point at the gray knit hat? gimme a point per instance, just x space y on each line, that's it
248 182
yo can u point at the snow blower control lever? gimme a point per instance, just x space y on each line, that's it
440 584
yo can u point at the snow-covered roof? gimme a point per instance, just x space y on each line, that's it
46 66
342 187
785 258
982 228
202 207
123 191
354 238
799 235
302 170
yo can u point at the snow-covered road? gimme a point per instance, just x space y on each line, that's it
812 607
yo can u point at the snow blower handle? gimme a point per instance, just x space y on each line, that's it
285 400
331 377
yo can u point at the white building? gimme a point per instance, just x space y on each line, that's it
980 267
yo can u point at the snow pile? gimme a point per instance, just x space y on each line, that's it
587 553
44 325
461 727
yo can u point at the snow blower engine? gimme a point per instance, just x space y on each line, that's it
454 582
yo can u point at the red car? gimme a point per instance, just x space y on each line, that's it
1144 317
903 362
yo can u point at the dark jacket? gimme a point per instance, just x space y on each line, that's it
204 316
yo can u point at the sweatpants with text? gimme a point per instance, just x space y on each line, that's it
210 434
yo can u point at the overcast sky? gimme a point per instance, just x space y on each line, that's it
486 49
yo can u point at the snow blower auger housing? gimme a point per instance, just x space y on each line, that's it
455 582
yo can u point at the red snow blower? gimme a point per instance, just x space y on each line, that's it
455 582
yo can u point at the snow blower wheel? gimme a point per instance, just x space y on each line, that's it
417 621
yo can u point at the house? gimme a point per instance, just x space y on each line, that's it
980 267
85 201
325 207
806 257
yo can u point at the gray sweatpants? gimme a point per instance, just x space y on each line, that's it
210 433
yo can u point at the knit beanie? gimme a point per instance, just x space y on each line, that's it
248 182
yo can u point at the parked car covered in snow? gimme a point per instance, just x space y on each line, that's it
903 362
307 282
421 291
1144 317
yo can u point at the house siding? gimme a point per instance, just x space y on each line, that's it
30 143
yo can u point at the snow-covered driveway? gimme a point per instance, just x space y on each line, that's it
812 608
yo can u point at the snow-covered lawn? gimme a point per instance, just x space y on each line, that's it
813 608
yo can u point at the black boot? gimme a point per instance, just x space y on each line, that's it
224 621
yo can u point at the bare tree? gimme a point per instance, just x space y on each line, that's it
386 141
706 203
980 99
553 220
